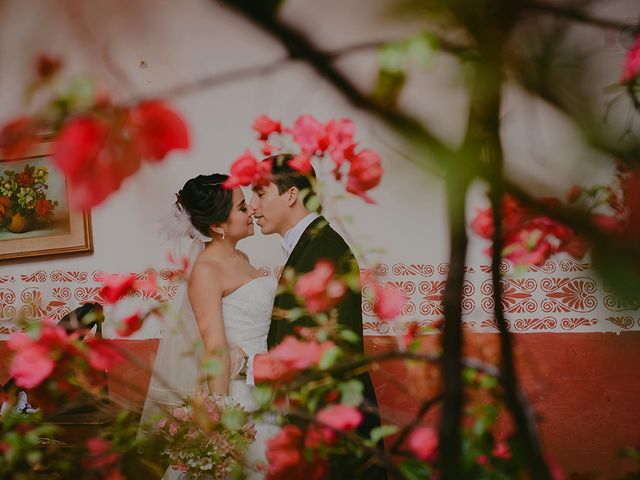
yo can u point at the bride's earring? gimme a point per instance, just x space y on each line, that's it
223 234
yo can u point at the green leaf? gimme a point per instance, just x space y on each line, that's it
351 392
469 375
263 395
329 358
393 57
233 419
312 203
422 48
381 432
212 366
488 382
349 336
81 92
34 456
294 314
414 470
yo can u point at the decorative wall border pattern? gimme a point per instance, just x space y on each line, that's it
556 297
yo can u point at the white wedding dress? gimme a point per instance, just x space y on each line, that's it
247 316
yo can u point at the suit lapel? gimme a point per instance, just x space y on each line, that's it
309 233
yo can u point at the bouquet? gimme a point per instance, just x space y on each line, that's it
207 436
23 199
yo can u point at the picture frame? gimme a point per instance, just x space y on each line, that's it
44 225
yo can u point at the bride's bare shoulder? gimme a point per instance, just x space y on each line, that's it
209 270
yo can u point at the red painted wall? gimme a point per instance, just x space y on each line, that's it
583 386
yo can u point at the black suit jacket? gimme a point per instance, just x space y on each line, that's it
320 241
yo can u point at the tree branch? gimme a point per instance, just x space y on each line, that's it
517 403
300 47
575 15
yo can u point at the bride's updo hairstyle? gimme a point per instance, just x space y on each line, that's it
206 201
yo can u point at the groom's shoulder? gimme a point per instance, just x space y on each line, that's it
329 237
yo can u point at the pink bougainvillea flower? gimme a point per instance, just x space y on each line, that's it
318 437
341 417
267 149
577 246
87 151
605 222
530 238
631 68
157 130
53 336
319 288
77 145
284 449
99 152
300 354
290 356
423 443
410 335
340 134
286 458
311 135
247 170
102 354
364 174
182 267
388 302
265 126
34 359
482 224
529 248
17 137
129 325
101 456
301 163
19 341
115 287
267 368
148 285
501 450
31 365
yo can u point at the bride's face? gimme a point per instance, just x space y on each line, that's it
240 222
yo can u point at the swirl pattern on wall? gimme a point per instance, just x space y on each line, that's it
556 297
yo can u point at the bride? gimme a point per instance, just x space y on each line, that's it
228 306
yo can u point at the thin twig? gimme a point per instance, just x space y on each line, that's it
407 429
218 79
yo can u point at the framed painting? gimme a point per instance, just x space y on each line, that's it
35 218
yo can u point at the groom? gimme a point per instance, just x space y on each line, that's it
306 237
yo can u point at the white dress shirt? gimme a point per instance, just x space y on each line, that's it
291 238
289 242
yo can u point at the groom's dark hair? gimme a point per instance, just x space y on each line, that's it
284 176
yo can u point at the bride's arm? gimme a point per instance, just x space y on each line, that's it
205 295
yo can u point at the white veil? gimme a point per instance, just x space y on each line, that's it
176 369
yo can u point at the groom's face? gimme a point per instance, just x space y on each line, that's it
271 208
